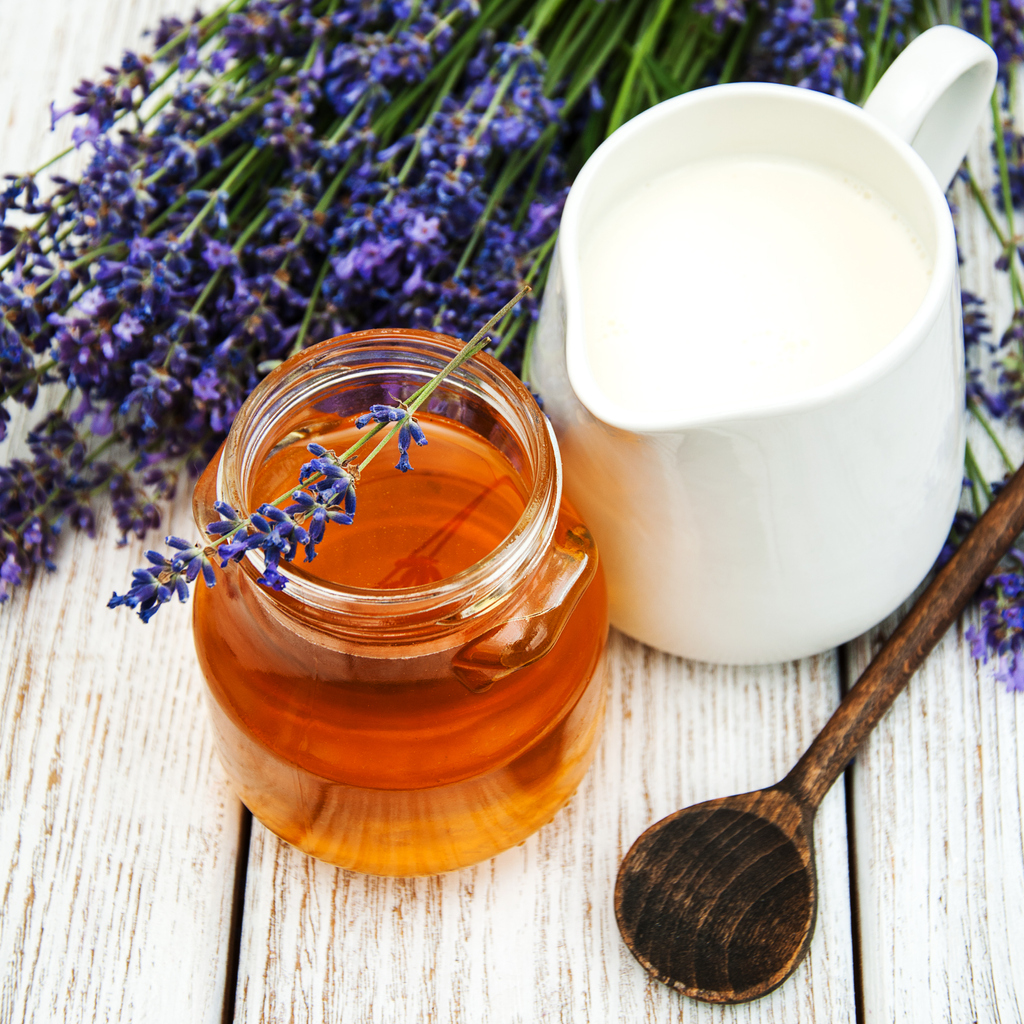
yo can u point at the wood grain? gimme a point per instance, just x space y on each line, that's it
718 900
118 836
531 935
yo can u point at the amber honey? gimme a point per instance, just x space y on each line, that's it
431 738
453 509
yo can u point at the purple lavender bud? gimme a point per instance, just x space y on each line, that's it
417 433
273 513
231 551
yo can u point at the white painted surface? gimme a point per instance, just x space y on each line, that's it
531 935
118 834
118 837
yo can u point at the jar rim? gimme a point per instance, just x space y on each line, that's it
470 592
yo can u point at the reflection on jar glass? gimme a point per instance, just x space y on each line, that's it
426 692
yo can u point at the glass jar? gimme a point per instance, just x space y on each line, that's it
415 730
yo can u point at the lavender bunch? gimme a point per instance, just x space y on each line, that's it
326 494
1000 635
311 167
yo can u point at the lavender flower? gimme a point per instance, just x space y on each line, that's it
800 49
722 12
1001 631
152 589
410 430
1007 29
1013 147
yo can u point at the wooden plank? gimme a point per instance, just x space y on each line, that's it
118 835
938 789
531 935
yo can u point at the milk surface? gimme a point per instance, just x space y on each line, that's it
735 281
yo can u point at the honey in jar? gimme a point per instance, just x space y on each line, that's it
427 691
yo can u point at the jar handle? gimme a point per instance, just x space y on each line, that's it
933 96
537 621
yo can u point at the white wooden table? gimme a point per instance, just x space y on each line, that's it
135 888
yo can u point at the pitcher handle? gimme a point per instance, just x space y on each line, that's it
933 96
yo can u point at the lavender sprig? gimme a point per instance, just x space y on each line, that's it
326 494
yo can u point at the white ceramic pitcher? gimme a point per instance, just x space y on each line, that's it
799 523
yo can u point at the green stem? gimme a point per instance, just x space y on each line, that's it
528 351
207 291
986 207
35 372
997 124
574 35
975 497
254 225
314 295
643 46
974 471
538 169
1016 286
318 45
542 255
972 407
414 152
261 173
871 70
470 349
81 261
204 23
507 176
210 203
232 122
738 47
53 159
508 336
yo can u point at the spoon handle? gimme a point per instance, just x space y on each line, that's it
933 613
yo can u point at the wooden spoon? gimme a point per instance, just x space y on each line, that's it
718 900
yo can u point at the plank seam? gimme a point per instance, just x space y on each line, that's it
237 916
843 659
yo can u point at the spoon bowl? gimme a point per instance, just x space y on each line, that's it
718 900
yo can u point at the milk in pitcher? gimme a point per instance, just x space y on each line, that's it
732 282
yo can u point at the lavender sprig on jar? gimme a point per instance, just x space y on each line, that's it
326 494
